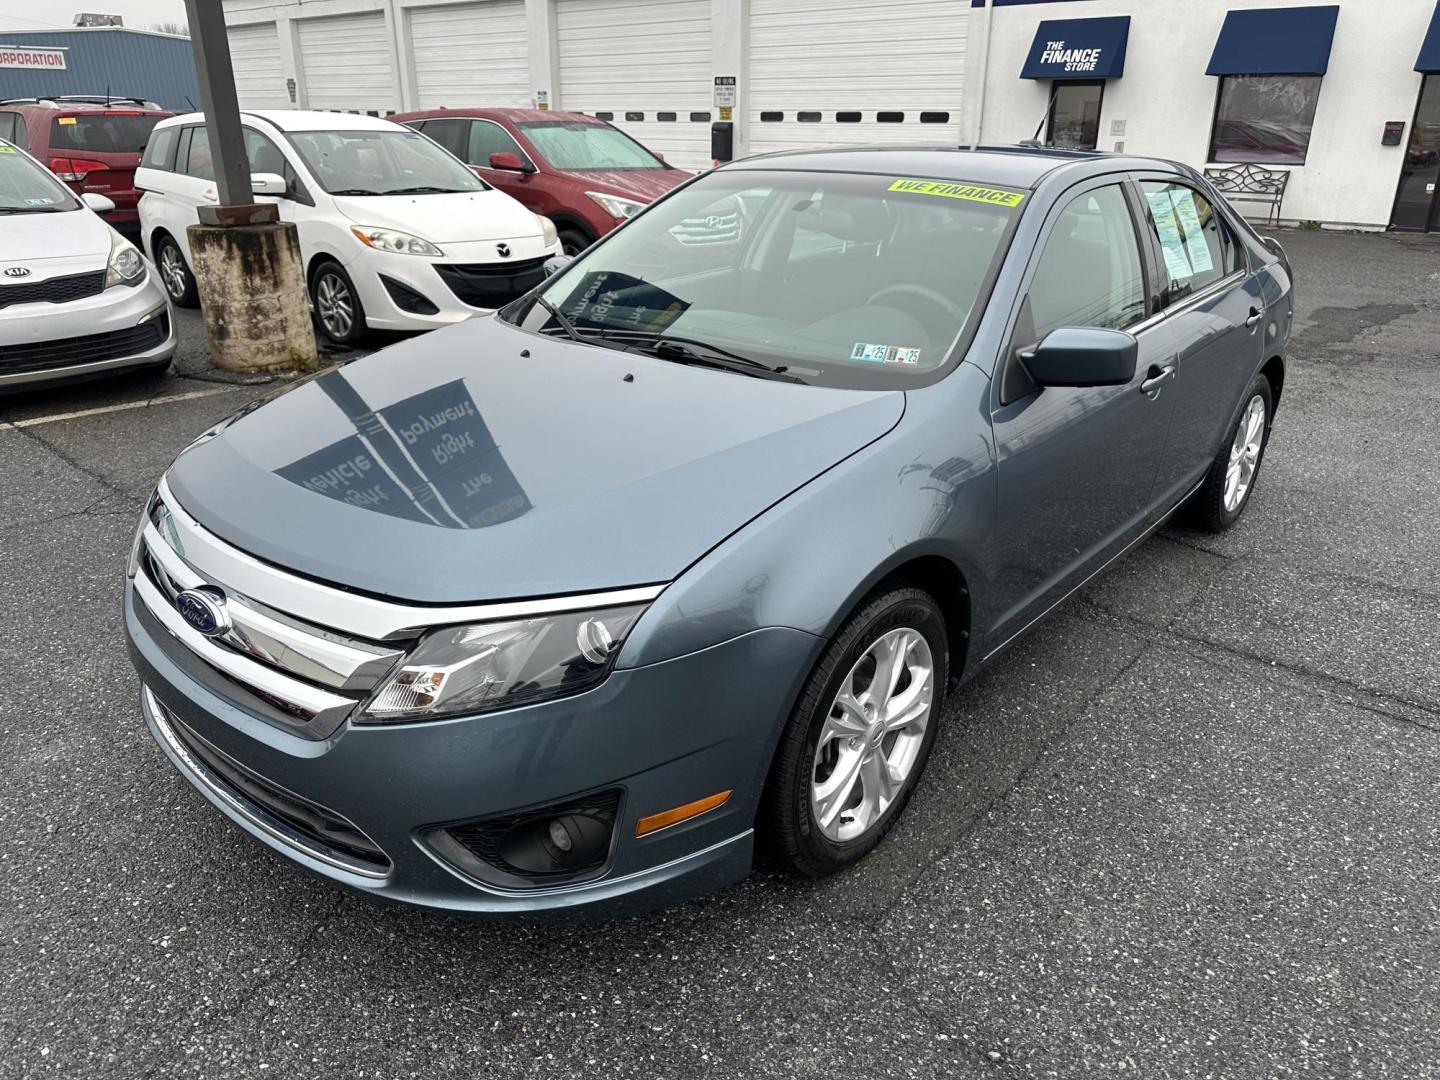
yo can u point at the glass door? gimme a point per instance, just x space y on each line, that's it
1075 113
1417 205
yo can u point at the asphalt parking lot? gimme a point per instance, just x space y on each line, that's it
1188 828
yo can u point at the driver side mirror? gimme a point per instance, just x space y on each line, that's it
264 183
509 162
1082 356
556 263
101 204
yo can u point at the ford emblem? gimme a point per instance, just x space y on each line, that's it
204 610
17 271
504 250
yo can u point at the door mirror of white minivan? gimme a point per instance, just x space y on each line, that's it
99 203
265 183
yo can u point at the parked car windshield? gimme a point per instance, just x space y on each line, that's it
572 146
103 133
26 188
399 162
838 279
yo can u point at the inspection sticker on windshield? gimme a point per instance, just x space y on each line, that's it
968 192
885 354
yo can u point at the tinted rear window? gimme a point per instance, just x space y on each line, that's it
102 133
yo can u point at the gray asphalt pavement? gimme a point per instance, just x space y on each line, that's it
1188 828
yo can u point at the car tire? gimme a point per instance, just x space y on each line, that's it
824 805
339 315
573 241
175 275
1227 487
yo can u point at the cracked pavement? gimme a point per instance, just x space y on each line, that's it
1188 827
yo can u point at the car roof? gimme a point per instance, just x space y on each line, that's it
299 120
66 105
1007 166
514 116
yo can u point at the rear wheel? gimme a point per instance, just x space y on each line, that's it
337 307
175 274
1226 491
859 737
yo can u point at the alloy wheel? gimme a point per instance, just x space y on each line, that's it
872 735
334 305
172 271
1245 454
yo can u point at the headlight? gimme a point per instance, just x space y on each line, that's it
132 567
548 233
125 267
500 665
615 206
389 240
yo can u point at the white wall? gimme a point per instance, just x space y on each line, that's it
1168 102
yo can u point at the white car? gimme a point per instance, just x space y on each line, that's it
76 297
395 232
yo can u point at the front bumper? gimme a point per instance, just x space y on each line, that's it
119 328
665 735
422 276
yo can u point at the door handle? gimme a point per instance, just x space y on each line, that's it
1156 378
209 195
1254 318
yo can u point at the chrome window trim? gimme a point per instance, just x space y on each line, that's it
1228 281
325 710
354 613
252 815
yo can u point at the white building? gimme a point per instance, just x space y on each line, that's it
1335 94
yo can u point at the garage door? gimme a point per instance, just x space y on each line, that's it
470 54
346 62
644 65
855 72
259 74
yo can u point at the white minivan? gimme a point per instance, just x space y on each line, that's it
395 232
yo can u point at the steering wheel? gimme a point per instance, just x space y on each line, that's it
920 292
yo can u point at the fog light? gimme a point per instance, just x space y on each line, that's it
555 845
559 837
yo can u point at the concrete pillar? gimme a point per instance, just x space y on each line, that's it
251 282
544 54
730 55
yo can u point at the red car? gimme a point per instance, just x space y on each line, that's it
92 146
582 173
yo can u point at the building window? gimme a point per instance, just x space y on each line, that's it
1074 119
1264 118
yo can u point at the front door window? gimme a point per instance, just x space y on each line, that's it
1075 114
1416 203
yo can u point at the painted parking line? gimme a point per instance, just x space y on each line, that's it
54 418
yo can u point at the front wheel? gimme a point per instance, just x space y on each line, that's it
1227 487
337 305
573 242
860 735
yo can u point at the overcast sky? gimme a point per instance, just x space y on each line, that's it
29 15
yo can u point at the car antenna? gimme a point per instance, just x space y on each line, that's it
1035 139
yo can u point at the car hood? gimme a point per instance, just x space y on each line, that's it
644 185
455 468
451 218
75 238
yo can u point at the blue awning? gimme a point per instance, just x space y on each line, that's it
1275 41
1429 61
1078 49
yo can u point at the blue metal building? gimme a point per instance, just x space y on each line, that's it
97 60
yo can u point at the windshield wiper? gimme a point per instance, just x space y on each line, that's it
683 350
565 323
355 191
32 209
425 189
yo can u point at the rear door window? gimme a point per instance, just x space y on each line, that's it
198 162
102 133
1192 239
450 134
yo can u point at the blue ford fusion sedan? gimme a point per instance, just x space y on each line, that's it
676 559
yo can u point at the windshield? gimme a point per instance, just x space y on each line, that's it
572 147
399 162
102 133
26 188
838 279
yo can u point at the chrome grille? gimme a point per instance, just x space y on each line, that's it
284 644
711 229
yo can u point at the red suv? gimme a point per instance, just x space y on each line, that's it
90 145
582 173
